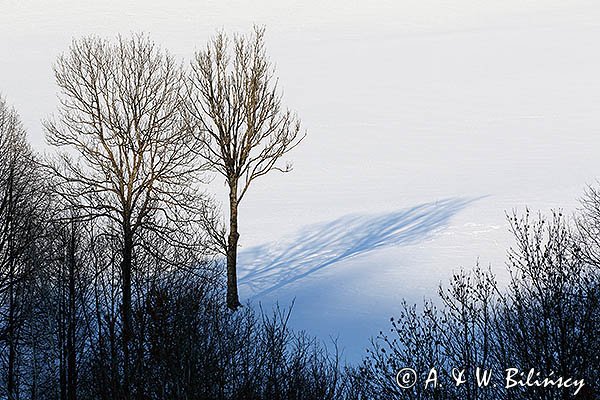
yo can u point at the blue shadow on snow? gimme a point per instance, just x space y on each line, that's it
266 268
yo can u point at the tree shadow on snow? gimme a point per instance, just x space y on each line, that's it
271 266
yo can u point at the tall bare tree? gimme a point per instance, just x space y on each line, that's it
23 205
235 107
12 149
127 160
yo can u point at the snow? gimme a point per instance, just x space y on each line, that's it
426 120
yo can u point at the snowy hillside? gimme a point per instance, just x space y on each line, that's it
426 122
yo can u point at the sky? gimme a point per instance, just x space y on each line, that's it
427 119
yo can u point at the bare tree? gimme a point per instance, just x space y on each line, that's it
545 318
129 164
23 205
12 142
236 108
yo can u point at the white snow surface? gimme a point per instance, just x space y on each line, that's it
426 120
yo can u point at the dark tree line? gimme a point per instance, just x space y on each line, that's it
111 279
548 318
63 324
25 209
110 286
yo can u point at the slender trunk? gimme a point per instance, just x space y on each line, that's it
126 276
139 359
71 360
12 346
12 351
106 384
62 374
233 301
34 370
114 357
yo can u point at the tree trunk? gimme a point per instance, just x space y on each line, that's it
62 371
71 329
12 353
11 329
126 276
233 301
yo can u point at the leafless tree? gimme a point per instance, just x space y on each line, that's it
235 107
12 140
23 205
127 160
546 318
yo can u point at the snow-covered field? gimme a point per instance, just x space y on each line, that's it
427 120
